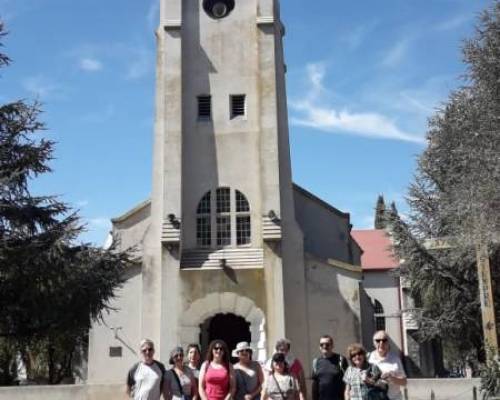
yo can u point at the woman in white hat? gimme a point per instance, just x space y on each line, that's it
249 376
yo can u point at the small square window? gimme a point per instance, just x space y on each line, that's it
205 107
238 105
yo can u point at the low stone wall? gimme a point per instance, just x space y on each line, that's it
442 389
417 389
63 392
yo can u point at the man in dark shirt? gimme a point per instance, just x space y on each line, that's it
327 372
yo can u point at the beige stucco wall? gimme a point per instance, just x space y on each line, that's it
220 58
383 286
121 328
333 305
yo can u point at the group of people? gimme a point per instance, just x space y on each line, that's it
361 376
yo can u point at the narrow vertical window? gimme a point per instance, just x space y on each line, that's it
243 229
223 219
379 316
205 107
238 105
203 224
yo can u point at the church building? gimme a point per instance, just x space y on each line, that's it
227 246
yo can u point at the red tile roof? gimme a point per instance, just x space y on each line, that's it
376 246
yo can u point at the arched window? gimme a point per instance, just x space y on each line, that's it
379 316
223 219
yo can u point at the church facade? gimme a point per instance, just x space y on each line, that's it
227 246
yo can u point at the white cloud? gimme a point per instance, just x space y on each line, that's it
453 23
41 87
90 64
315 112
357 35
396 54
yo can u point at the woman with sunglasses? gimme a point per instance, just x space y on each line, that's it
280 384
217 381
389 363
362 380
248 373
179 381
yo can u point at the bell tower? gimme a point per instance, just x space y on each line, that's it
222 210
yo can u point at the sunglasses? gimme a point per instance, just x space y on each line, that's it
384 340
218 348
356 354
179 355
147 350
325 344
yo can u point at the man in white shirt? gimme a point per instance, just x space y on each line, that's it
145 378
389 364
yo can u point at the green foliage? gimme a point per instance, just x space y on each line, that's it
490 377
455 198
51 286
380 217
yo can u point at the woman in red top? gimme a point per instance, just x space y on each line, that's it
217 380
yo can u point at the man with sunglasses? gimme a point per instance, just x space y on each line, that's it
328 372
145 378
389 364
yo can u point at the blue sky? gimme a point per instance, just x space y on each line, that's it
363 77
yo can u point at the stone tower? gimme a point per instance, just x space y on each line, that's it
222 191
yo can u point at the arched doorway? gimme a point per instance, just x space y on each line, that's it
194 325
228 327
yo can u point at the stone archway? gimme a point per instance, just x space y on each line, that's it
224 303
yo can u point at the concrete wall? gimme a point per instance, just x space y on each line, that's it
220 58
64 392
333 306
417 389
442 389
121 328
383 286
326 230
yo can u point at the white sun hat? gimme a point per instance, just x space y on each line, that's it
239 347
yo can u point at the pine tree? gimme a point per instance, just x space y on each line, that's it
51 286
455 197
380 213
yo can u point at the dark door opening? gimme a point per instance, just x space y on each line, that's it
228 327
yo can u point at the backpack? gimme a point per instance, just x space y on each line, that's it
131 373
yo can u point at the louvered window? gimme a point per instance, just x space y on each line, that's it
238 105
204 107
